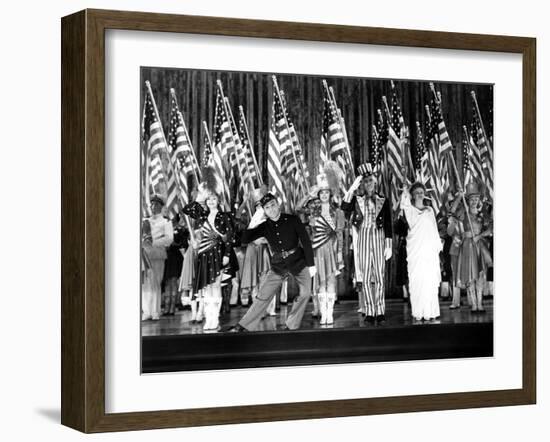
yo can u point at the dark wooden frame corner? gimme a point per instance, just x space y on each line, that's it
83 217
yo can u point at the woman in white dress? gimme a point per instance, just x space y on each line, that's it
423 247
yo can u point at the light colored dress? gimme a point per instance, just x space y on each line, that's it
423 247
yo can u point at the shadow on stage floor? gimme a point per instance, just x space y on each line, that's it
174 343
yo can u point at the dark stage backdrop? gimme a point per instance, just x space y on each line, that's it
358 98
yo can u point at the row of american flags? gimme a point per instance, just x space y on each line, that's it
173 170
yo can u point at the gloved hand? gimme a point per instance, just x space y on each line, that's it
312 271
225 260
387 253
257 218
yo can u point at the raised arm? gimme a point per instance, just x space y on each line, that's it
305 241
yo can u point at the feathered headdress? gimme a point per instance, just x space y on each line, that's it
331 177
209 184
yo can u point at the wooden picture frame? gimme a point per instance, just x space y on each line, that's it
83 220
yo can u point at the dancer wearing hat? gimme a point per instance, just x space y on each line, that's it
327 225
213 248
291 255
371 216
474 257
157 235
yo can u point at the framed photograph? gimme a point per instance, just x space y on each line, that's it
315 212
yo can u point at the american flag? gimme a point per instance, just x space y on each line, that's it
161 173
382 129
248 150
441 137
485 152
323 152
474 157
395 145
277 132
420 156
224 144
180 147
434 180
374 156
334 138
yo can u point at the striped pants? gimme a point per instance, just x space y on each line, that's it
370 252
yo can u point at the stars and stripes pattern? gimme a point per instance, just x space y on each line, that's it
434 181
180 148
223 146
420 156
323 152
474 156
251 166
441 137
161 173
485 152
334 138
277 132
323 231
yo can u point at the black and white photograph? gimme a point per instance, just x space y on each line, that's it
301 219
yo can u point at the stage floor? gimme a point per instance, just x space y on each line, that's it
398 314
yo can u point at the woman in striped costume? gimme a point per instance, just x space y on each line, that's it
327 224
213 250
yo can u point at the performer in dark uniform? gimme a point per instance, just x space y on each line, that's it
371 215
291 255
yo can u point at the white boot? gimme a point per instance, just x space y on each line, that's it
323 307
194 311
315 312
200 310
456 298
271 307
330 299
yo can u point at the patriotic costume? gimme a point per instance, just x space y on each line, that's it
214 245
474 257
371 216
156 237
423 247
327 224
173 267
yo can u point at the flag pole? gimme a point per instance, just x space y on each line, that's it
260 180
438 101
173 93
274 78
178 185
473 94
229 115
342 125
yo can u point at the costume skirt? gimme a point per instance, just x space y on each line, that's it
326 261
473 259
256 263
209 266
188 269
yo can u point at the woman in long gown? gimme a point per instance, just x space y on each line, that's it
423 247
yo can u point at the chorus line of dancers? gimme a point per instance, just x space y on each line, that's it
205 251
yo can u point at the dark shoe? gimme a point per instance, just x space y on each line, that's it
381 319
369 319
238 328
453 307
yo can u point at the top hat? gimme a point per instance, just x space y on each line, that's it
366 169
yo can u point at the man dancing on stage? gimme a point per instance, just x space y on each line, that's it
371 215
292 254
